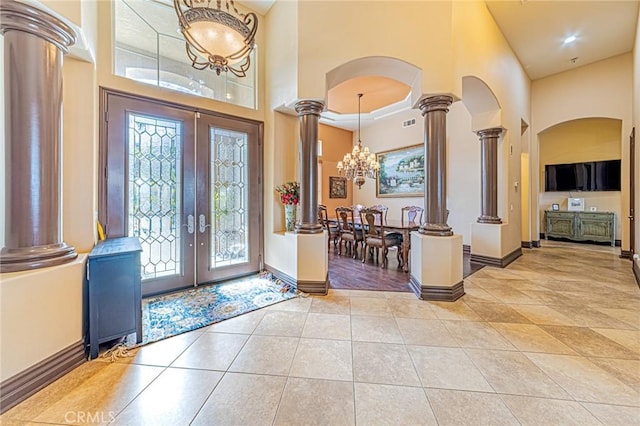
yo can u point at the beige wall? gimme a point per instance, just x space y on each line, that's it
600 89
281 30
332 33
335 143
589 139
480 50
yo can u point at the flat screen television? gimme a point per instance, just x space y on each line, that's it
587 176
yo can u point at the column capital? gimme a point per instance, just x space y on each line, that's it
435 103
308 106
493 132
22 17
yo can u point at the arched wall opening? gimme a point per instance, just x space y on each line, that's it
393 68
575 141
481 102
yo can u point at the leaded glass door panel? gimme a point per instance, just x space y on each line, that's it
150 190
229 200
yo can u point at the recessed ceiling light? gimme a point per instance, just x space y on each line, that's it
570 39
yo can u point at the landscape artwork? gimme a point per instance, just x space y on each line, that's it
401 172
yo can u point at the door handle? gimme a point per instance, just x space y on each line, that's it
190 224
202 226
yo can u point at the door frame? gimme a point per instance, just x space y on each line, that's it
632 189
104 93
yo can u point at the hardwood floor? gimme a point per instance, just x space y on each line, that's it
348 273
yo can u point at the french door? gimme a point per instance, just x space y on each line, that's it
187 184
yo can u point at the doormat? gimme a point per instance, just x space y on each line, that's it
168 315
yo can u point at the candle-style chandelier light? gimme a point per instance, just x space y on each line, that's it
359 163
217 39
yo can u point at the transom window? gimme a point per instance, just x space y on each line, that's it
149 48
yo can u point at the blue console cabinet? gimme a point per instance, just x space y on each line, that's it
115 304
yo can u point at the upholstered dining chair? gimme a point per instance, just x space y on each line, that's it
331 228
384 209
356 209
375 237
412 214
350 232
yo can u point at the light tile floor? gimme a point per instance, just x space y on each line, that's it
553 339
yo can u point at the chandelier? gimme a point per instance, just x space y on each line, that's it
217 39
359 163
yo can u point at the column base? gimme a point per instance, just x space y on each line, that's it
308 228
27 258
436 262
436 229
489 219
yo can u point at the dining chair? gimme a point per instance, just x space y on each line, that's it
350 233
356 209
384 209
412 214
331 228
376 238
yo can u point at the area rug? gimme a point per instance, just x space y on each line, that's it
172 314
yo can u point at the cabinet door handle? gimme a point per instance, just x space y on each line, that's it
202 226
190 224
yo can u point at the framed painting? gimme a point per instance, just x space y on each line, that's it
337 187
401 172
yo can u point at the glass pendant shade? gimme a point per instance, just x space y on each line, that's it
217 39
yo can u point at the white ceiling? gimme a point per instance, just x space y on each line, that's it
536 29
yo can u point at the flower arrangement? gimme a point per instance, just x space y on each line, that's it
289 192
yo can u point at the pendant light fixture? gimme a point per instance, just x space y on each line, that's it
217 39
359 163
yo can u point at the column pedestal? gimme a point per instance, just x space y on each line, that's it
436 263
488 245
306 263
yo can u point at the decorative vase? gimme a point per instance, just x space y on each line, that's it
289 217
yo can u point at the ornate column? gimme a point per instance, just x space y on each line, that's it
489 174
434 110
308 115
34 43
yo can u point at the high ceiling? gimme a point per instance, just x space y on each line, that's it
536 30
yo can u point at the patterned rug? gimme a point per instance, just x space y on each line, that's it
168 315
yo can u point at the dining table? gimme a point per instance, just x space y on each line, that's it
396 225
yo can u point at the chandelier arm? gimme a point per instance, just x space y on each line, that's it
195 63
242 71
233 4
